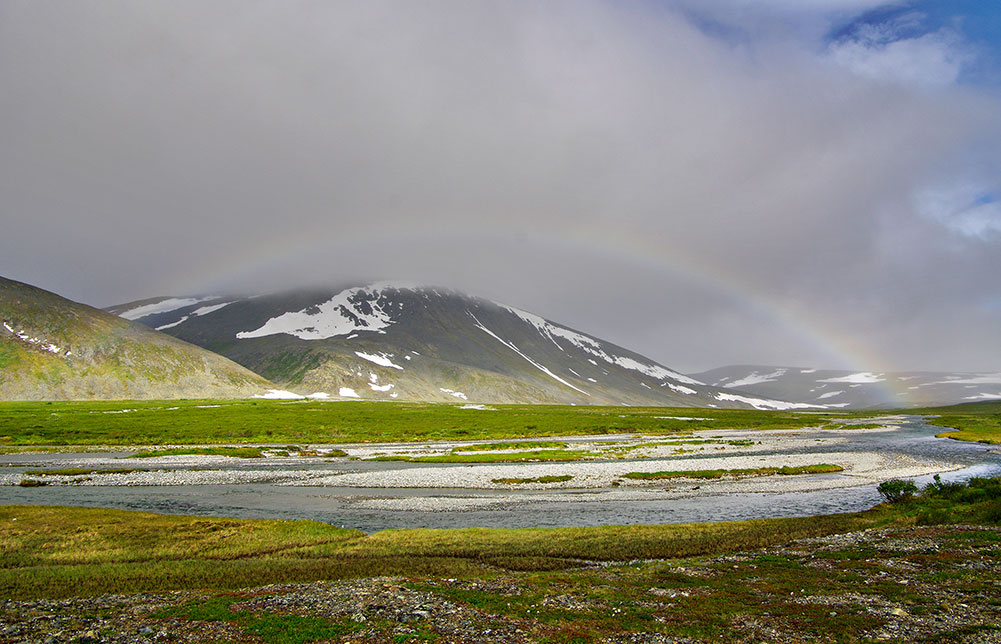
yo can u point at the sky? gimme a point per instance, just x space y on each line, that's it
809 183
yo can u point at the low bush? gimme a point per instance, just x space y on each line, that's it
897 490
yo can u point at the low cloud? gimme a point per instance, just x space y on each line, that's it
616 167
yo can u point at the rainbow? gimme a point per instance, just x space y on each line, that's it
841 350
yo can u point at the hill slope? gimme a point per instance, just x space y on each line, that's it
406 342
857 390
53 348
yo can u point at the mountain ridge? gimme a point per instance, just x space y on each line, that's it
399 340
858 389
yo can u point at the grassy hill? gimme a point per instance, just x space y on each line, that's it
53 348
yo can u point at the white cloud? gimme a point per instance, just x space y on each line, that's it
964 207
931 61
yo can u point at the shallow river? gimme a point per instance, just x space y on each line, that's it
376 508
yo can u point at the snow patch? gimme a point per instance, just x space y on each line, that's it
457 394
755 378
381 359
375 387
808 371
42 344
862 378
760 403
973 379
984 396
347 392
279 394
163 306
681 389
355 309
205 310
532 362
830 394
594 347
173 324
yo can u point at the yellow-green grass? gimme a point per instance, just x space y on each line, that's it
785 470
978 422
263 422
563 478
61 551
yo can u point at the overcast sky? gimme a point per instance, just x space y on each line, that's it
795 182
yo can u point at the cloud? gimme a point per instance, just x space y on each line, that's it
609 165
930 61
965 207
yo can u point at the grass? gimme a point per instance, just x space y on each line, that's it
260 422
978 422
61 551
539 479
786 470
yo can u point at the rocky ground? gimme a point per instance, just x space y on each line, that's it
913 584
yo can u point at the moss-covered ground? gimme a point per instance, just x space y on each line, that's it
920 570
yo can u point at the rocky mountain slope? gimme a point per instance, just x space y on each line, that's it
407 342
857 390
53 348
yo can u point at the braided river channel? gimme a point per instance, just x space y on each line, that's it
356 491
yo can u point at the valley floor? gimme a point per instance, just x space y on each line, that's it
568 481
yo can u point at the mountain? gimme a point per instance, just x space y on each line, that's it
53 348
857 390
408 342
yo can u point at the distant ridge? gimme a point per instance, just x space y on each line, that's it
52 348
399 341
858 390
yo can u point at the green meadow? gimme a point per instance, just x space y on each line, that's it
24 424
978 422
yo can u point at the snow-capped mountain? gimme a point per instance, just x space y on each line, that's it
407 342
857 390
53 348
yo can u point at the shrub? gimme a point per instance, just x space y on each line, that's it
897 490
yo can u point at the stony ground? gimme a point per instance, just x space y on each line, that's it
914 584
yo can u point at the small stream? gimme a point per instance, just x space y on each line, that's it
453 508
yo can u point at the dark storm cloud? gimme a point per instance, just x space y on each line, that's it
614 166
